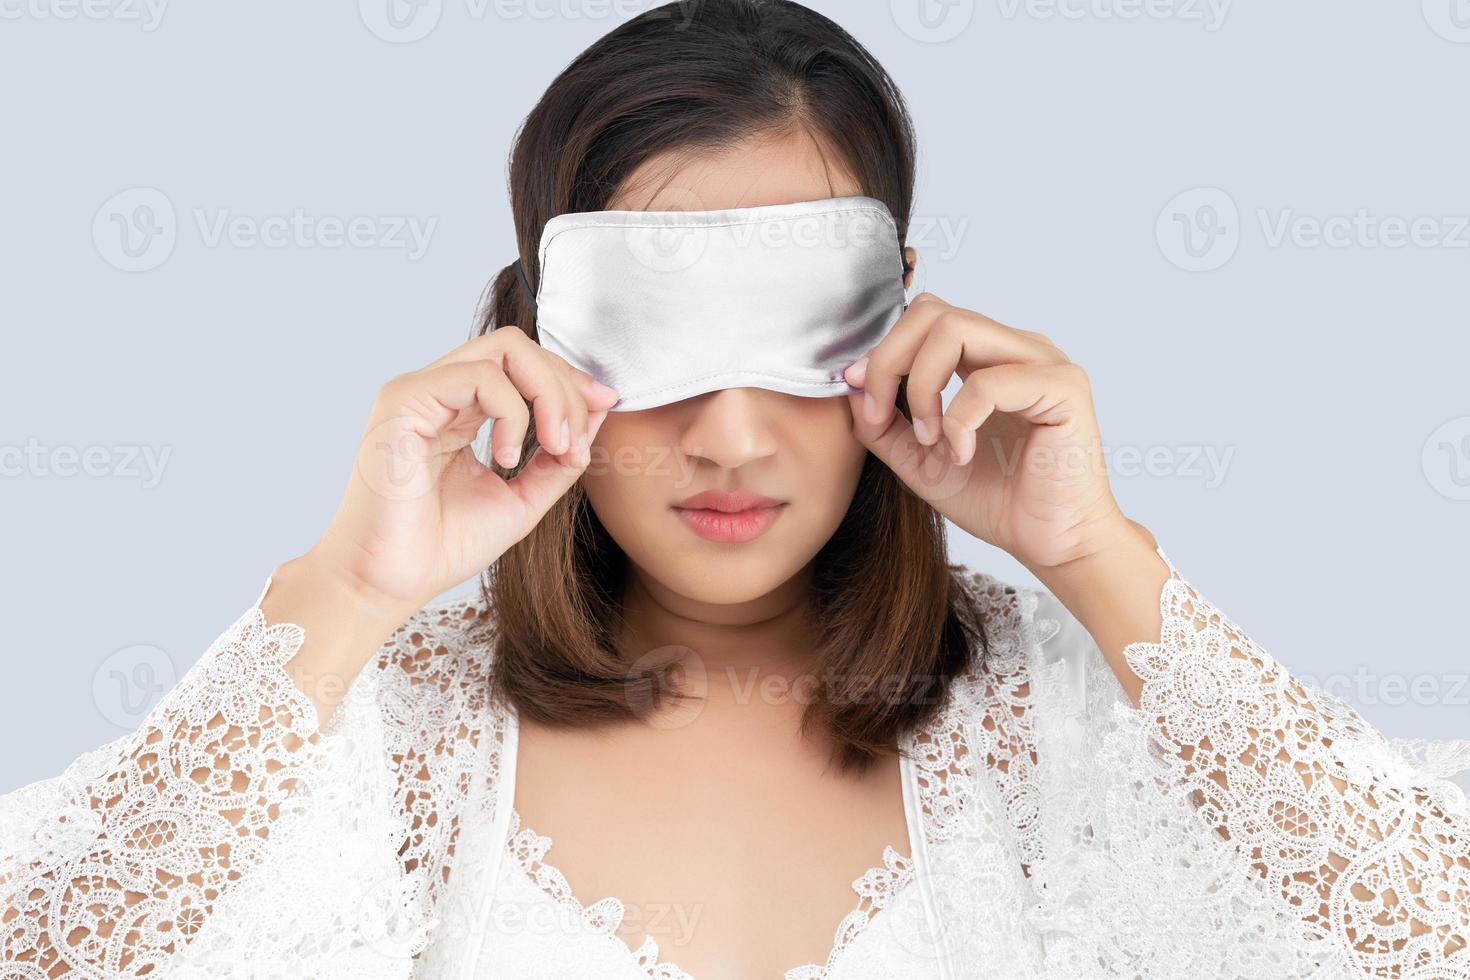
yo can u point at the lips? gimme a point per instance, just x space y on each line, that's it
729 517
726 501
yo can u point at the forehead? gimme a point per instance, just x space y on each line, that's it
765 169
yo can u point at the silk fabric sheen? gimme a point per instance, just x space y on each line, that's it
665 305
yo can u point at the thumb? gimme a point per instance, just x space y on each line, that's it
882 438
929 472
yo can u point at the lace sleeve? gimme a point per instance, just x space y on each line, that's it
1368 851
228 833
1261 826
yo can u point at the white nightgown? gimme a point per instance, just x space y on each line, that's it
1238 823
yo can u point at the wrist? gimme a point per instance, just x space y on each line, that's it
1114 591
333 588
344 626
1100 547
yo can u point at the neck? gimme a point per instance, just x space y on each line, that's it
757 652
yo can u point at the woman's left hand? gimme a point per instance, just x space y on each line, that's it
1017 459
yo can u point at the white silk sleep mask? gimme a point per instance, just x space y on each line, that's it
665 305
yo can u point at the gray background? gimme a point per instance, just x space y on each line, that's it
1289 414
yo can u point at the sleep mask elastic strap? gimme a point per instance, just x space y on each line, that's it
521 275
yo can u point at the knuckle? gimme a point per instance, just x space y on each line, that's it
395 386
953 324
506 336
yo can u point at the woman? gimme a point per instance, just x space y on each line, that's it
648 750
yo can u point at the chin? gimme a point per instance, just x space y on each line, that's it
736 575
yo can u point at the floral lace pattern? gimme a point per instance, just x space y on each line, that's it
876 890
1370 857
602 917
1234 823
136 841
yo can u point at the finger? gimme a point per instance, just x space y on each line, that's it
961 342
927 471
524 362
576 418
482 346
508 432
937 340
546 477
538 380
467 391
1044 394
599 396
531 372
490 345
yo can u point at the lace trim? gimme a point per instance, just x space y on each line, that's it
602 917
989 719
876 890
1368 854
126 867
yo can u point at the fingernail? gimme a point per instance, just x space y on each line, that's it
604 389
921 429
566 435
508 456
858 369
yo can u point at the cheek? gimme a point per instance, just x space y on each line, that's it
630 467
829 435
831 456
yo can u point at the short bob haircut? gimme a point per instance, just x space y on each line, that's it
896 622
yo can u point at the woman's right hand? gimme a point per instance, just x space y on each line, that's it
421 514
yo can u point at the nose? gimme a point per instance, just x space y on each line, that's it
732 426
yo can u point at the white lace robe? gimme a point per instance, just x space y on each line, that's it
1237 823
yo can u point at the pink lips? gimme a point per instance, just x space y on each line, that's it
730 517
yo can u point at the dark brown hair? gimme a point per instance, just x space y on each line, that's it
702 75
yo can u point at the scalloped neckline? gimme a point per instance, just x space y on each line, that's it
893 864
